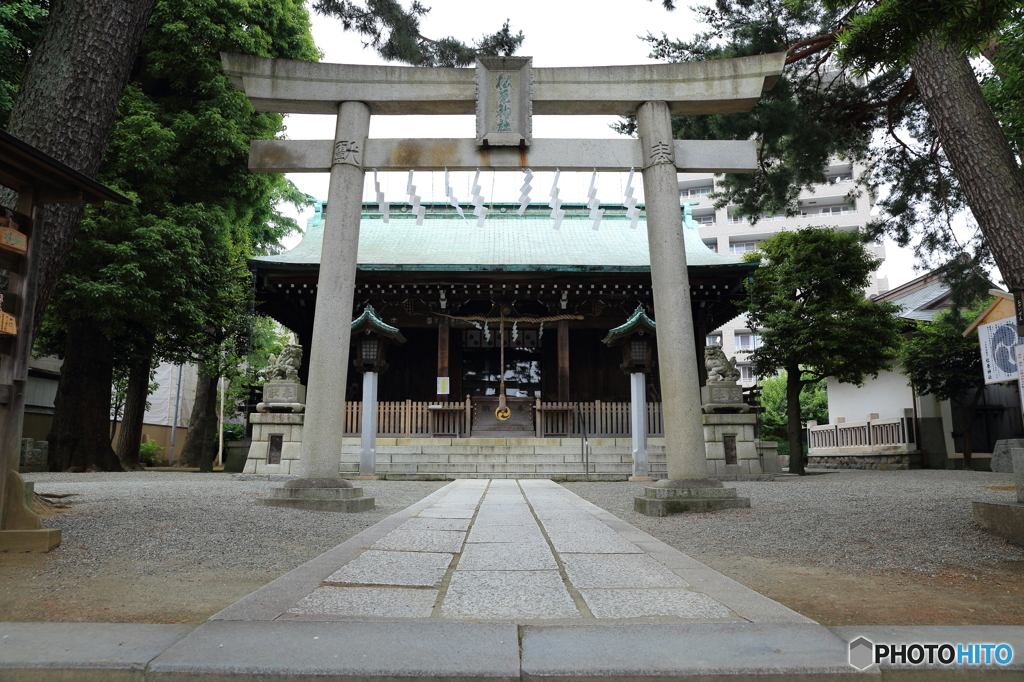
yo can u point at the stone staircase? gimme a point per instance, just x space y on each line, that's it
560 459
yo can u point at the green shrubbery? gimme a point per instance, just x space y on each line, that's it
149 454
234 432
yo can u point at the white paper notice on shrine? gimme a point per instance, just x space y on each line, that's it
998 342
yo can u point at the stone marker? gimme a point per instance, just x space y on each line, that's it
1005 519
1002 461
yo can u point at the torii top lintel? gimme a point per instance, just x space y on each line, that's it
709 87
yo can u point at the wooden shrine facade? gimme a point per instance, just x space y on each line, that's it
451 287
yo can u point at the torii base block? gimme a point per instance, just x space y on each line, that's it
320 494
680 496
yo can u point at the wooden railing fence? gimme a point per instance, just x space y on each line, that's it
423 419
877 433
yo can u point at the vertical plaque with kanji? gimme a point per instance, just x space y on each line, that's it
503 106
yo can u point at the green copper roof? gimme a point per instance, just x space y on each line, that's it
369 321
507 241
637 322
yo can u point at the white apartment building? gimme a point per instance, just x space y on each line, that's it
828 204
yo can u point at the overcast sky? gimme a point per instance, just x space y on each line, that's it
558 33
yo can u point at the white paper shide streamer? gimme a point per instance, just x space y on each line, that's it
524 192
385 207
593 204
478 204
632 212
450 193
418 209
556 204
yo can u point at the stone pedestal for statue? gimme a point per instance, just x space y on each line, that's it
283 396
34 455
277 438
1005 519
729 434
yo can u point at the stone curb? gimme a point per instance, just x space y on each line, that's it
485 651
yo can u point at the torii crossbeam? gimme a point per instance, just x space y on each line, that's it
504 93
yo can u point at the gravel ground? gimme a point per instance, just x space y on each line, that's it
843 548
872 521
169 523
915 521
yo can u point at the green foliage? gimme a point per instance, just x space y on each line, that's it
234 431
813 405
939 360
394 32
21 24
168 273
824 108
149 454
888 33
807 298
1004 86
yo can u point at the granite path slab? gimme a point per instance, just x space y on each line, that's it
526 551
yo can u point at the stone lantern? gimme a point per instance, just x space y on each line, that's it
636 338
371 337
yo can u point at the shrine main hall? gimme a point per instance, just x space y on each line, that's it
454 289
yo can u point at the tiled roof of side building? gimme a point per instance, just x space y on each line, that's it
921 299
506 241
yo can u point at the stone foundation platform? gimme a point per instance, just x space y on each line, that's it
881 461
688 496
1005 519
319 494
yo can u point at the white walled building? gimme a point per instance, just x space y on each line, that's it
827 205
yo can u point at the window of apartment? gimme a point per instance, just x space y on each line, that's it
713 245
838 209
746 372
740 248
735 218
695 192
748 341
704 219
839 177
713 340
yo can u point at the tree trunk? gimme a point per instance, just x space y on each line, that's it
978 152
200 446
968 426
79 437
134 410
67 101
795 435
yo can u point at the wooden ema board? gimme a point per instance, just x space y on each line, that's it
12 240
7 324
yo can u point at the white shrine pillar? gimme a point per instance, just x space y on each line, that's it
638 424
320 456
677 354
368 428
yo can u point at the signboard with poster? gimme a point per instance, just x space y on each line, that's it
998 341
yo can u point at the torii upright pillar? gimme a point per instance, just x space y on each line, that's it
687 486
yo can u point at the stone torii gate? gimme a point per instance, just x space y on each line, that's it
504 93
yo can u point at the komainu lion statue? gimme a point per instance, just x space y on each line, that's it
286 367
720 368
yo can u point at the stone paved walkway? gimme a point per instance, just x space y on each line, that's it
507 550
